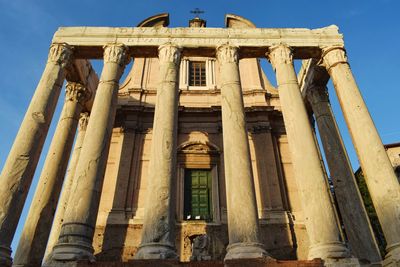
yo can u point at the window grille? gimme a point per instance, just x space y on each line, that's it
197 73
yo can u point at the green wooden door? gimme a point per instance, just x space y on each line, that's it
197 204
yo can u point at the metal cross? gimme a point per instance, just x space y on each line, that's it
197 11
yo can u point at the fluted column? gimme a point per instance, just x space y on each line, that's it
75 240
158 235
319 216
352 210
66 191
33 240
379 175
20 166
243 226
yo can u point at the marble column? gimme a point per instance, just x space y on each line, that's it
243 226
33 240
76 236
158 235
318 211
66 190
355 219
16 176
379 175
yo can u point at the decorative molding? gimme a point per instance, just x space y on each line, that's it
83 121
252 42
260 129
198 147
169 53
228 54
60 53
116 53
76 92
280 54
332 56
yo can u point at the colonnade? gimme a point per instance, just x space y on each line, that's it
74 224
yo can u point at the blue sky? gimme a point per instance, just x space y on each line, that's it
371 30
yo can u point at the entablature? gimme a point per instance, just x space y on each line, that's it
88 42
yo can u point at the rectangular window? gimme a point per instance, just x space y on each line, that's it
197 198
197 73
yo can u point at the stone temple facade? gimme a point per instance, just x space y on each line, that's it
196 156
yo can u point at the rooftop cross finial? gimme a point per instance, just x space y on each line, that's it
197 12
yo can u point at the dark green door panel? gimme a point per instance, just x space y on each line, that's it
197 196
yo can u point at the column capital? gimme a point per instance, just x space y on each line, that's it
169 53
116 53
228 53
280 54
60 54
332 56
77 92
317 94
83 121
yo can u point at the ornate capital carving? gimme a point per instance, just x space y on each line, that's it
280 54
60 54
228 54
83 121
332 56
116 53
76 92
169 53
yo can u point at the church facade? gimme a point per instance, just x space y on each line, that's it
195 155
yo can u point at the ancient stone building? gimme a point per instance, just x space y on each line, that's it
196 156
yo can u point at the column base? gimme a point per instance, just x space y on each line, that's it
70 252
346 262
155 251
392 257
251 250
5 256
325 251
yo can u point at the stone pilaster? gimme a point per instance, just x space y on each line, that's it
66 191
75 240
36 230
379 175
243 226
354 216
319 216
18 171
158 237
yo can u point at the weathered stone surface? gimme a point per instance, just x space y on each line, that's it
229 263
199 41
158 222
122 147
379 175
32 243
75 241
241 201
324 241
66 191
355 219
18 171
